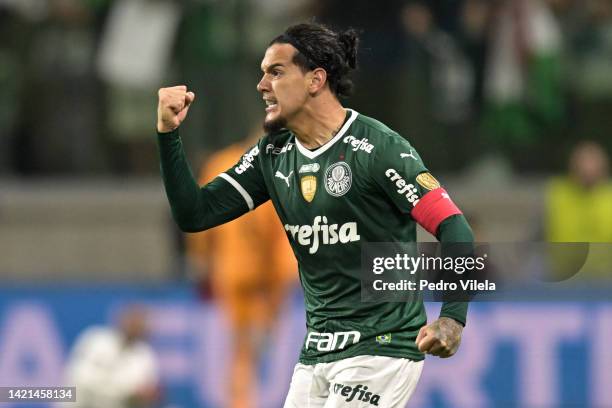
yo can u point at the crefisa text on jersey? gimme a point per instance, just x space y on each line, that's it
403 188
247 160
359 144
320 232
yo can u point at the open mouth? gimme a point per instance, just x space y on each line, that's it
271 104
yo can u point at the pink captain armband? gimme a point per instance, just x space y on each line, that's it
433 208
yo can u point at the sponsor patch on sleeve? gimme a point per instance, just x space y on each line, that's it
427 181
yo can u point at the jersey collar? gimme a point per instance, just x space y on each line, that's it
314 154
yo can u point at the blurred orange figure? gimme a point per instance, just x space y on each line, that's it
250 267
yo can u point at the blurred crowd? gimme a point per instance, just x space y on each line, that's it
473 84
519 80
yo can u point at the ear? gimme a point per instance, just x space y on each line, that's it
317 80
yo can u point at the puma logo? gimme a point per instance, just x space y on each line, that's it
281 176
411 155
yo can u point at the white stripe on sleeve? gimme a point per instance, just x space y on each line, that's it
240 189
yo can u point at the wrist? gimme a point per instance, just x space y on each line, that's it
451 320
167 132
163 128
168 137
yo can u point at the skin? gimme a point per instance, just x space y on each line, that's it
303 103
304 100
589 164
133 324
441 338
172 108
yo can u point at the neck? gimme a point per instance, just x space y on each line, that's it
318 122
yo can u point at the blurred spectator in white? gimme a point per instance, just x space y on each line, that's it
115 367
523 88
133 60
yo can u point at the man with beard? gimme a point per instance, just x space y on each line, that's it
337 179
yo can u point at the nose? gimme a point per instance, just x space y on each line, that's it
263 85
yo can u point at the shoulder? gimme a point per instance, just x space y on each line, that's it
385 142
389 149
96 338
378 133
372 124
99 333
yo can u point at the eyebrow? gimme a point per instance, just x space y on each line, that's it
271 67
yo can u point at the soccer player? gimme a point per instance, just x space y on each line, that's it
337 179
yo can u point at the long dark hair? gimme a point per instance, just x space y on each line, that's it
320 47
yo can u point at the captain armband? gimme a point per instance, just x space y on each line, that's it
433 208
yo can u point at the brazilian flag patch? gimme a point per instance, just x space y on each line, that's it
384 339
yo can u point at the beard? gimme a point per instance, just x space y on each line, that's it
274 125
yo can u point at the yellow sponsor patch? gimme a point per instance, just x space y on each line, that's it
427 181
308 186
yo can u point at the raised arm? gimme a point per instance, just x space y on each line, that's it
196 208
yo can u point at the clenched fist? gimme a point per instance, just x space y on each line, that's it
441 338
173 105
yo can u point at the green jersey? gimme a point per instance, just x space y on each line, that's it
359 187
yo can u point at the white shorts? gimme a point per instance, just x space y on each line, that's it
362 381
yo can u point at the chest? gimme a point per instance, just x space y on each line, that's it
330 184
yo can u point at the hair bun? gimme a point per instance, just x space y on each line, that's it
350 42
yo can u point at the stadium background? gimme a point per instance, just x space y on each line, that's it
493 94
